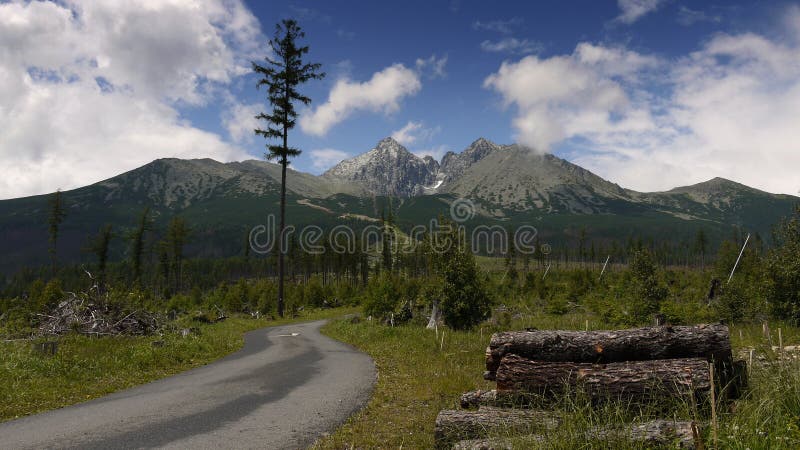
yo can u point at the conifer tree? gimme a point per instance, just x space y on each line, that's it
57 215
137 243
282 76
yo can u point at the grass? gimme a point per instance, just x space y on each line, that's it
87 367
421 374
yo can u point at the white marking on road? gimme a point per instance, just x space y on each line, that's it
289 335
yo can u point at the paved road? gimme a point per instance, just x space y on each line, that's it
279 391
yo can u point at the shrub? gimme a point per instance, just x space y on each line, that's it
382 295
465 303
783 270
181 304
315 293
646 289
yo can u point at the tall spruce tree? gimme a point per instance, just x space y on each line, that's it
57 214
282 76
177 233
700 246
99 246
137 243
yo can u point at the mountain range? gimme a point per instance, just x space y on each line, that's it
509 185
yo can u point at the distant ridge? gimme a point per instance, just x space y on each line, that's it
508 184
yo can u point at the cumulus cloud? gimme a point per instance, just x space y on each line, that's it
240 121
570 95
728 109
414 132
512 45
382 93
325 158
633 10
91 88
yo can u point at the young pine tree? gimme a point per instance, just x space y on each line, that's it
282 76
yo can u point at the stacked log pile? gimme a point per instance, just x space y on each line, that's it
642 365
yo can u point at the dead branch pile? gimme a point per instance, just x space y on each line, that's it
95 315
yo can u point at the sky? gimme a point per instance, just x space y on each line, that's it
649 94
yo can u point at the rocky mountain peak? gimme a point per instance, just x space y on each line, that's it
388 169
455 164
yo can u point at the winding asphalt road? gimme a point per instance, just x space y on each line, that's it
287 387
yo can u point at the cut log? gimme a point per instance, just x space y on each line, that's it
493 399
654 433
457 425
632 380
476 399
484 444
711 342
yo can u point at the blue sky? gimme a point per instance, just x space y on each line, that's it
356 42
650 94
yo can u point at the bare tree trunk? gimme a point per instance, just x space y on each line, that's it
282 227
665 342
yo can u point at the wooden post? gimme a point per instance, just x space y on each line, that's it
587 325
780 340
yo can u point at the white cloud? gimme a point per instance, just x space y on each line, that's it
240 121
89 89
498 26
633 10
382 93
512 45
433 66
324 159
436 152
564 96
414 132
729 109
